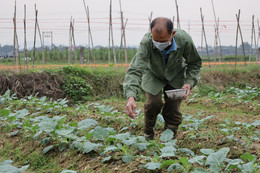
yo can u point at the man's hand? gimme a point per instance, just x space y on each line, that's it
186 86
131 107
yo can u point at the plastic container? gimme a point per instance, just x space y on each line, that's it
176 94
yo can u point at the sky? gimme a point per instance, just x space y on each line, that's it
55 15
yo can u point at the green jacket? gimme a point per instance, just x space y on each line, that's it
149 67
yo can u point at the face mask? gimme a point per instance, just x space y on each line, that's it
161 46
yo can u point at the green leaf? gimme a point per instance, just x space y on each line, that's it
14 133
152 166
100 133
62 146
130 141
175 166
64 132
141 146
7 167
248 157
127 158
233 164
168 151
197 159
122 136
89 146
5 113
106 159
110 148
167 163
218 157
86 123
46 141
207 151
68 171
247 168
184 161
47 126
199 170
47 149
187 151
166 136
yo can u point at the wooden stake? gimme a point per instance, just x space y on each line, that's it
252 32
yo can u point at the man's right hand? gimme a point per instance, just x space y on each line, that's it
131 107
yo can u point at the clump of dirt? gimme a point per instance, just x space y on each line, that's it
33 83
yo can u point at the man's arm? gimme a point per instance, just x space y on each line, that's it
194 63
133 78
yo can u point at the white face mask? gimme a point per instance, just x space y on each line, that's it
161 46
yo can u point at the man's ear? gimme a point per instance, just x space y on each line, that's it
173 33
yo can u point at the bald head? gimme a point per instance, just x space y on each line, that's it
161 25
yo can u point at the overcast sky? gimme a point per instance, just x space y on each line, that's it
54 15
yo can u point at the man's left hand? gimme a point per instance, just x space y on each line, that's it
186 86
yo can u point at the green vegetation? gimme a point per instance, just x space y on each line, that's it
219 133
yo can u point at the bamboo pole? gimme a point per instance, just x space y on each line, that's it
42 49
70 41
125 42
258 50
217 29
91 39
122 25
122 33
14 40
150 20
237 17
114 53
34 42
109 31
204 33
178 17
251 45
74 43
241 36
173 21
25 43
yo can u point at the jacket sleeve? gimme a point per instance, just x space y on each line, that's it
134 73
193 61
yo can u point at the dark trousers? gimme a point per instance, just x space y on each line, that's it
170 111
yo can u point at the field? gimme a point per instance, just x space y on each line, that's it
90 132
